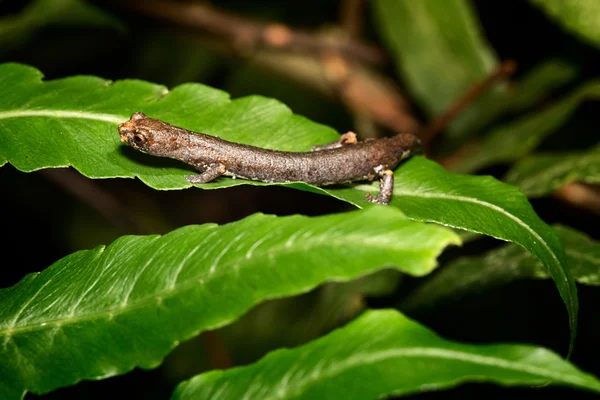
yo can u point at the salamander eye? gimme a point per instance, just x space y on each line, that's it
139 137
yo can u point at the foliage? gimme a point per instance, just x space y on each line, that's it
577 16
470 275
266 277
362 360
424 191
74 307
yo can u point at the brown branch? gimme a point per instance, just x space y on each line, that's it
380 99
367 93
580 195
252 35
435 127
363 91
351 17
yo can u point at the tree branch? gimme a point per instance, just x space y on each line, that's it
252 35
351 17
441 122
580 195
330 72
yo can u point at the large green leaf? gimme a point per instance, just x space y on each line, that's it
101 312
539 175
427 192
578 16
439 51
515 139
383 353
477 274
73 122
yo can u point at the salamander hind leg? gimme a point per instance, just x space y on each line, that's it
386 188
346 138
211 173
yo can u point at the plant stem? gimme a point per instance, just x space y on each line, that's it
441 122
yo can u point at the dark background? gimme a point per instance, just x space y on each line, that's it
43 222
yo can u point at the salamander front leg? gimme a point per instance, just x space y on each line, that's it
346 138
211 173
386 188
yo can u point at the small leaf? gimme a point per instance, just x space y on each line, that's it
101 312
578 16
539 175
383 353
424 191
439 51
472 275
515 139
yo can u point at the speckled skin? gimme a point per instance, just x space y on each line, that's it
214 157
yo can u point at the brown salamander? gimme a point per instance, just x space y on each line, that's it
345 160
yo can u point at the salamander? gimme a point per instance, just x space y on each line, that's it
342 161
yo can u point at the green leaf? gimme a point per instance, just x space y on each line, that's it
517 138
101 312
73 122
582 253
498 267
539 175
424 191
577 16
383 353
439 51
16 29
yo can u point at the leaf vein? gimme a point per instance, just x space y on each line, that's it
115 119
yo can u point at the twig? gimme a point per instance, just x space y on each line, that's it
429 133
252 35
351 17
327 69
367 93
92 194
380 99
580 195
360 89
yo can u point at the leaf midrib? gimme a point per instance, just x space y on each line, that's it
111 118
184 286
368 188
360 359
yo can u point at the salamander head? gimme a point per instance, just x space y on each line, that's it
147 135
410 142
